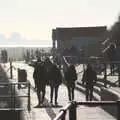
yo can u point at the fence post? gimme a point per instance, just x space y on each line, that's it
29 107
72 111
11 72
14 97
118 75
105 75
63 117
11 98
118 110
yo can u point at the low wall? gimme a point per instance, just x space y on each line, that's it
8 114
7 111
110 94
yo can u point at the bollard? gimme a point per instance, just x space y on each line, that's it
118 110
72 111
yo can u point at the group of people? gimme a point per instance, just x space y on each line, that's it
48 73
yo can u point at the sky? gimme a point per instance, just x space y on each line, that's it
31 21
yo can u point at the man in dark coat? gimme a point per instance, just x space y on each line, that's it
55 79
48 65
34 76
89 78
111 55
71 77
40 76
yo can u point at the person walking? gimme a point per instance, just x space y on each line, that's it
111 55
55 79
34 76
48 65
90 78
71 77
40 76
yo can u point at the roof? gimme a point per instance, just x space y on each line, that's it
63 33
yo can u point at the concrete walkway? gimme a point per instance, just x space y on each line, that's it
48 112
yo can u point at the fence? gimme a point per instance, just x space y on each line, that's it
72 107
12 94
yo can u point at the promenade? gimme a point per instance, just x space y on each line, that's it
47 111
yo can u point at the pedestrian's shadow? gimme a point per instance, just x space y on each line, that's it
56 106
48 105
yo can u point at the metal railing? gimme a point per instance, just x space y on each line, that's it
72 108
13 95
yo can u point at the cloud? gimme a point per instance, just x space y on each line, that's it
17 39
2 37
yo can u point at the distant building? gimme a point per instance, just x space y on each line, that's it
18 53
87 39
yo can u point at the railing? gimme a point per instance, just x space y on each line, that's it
117 64
72 107
104 70
12 96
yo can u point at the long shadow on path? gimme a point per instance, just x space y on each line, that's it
48 107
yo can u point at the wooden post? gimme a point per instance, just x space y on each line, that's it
29 107
63 117
72 112
118 110
119 75
11 71
105 75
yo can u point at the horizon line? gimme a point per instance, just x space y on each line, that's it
25 46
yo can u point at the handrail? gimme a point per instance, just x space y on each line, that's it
63 112
73 105
96 103
13 83
108 62
60 115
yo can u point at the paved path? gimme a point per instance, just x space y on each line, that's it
49 112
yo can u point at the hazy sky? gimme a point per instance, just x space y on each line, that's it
33 20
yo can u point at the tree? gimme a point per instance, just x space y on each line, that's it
4 56
27 55
115 32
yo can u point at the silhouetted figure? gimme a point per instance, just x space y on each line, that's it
90 79
111 54
34 76
40 77
71 77
55 79
48 65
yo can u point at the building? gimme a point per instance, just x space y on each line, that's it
87 39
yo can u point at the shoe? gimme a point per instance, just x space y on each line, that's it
56 103
69 99
51 102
